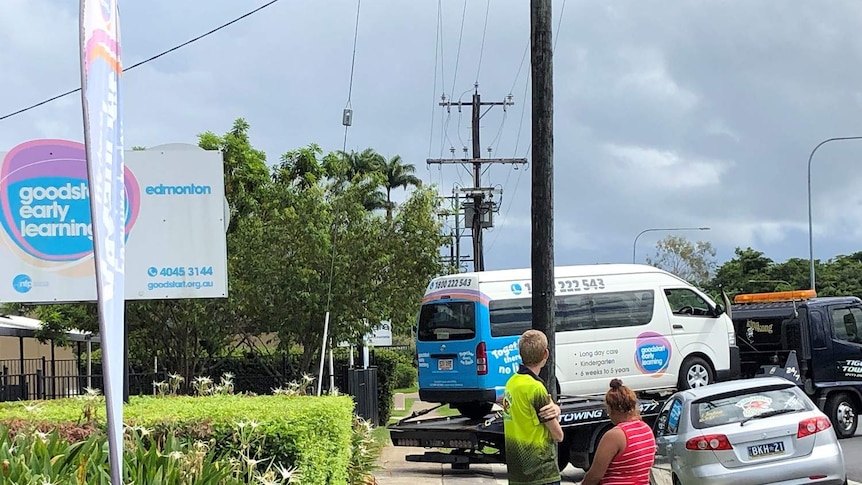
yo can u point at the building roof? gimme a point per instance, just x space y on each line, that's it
18 326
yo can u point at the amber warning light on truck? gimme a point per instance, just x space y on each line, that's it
775 296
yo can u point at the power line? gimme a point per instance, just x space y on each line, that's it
434 91
521 125
520 66
141 63
553 49
482 48
348 112
458 55
353 57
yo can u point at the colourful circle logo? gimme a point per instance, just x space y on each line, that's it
652 353
45 202
22 283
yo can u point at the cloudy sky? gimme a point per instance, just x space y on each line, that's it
667 114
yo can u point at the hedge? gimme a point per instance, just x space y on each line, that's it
311 433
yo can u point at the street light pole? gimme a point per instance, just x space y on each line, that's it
810 223
661 229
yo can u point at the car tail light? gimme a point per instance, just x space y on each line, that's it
714 442
481 359
810 426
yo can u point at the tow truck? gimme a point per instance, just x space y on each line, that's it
824 334
471 441
814 342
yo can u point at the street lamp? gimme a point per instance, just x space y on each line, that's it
667 229
810 223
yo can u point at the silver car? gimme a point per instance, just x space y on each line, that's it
754 431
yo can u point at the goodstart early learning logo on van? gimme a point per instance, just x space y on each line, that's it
45 203
652 353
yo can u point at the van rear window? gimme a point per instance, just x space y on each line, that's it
447 321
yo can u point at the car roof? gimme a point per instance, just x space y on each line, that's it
738 385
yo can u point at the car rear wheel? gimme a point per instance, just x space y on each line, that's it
843 412
474 410
695 372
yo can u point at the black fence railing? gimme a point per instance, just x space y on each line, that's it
42 378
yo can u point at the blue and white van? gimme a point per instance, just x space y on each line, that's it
646 326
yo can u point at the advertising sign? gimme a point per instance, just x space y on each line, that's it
174 224
381 336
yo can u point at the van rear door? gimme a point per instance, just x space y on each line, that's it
446 344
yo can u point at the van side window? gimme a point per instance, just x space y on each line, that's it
510 317
847 324
685 302
575 312
604 310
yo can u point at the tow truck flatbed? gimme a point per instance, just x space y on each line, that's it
473 441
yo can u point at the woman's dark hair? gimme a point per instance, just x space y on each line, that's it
621 399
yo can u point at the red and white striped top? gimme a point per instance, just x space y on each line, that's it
632 465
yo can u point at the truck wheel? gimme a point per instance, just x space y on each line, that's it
843 412
563 455
474 410
695 372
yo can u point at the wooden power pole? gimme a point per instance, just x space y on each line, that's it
480 209
542 206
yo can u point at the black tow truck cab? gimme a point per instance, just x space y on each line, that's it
824 335
583 419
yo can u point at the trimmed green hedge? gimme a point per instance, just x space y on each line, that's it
311 433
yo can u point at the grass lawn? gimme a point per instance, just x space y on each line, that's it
407 390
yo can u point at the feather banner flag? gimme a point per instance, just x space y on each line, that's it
101 70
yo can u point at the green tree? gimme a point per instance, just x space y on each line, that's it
691 261
245 168
397 174
360 168
735 275
413 240
301 167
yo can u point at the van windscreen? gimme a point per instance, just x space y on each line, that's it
454 320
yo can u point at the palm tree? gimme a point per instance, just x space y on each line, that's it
362 168
361 163
397 174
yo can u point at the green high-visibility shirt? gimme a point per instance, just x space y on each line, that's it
531 457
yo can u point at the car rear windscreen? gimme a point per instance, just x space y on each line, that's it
447 321
734 407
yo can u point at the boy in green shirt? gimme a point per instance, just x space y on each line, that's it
530 419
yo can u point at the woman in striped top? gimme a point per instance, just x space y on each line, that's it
626 452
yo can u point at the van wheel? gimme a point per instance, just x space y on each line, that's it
474 410
844 414
695 372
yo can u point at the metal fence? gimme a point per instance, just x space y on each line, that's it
43 378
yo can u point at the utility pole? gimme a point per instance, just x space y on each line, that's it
479 208
542 207
455 258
